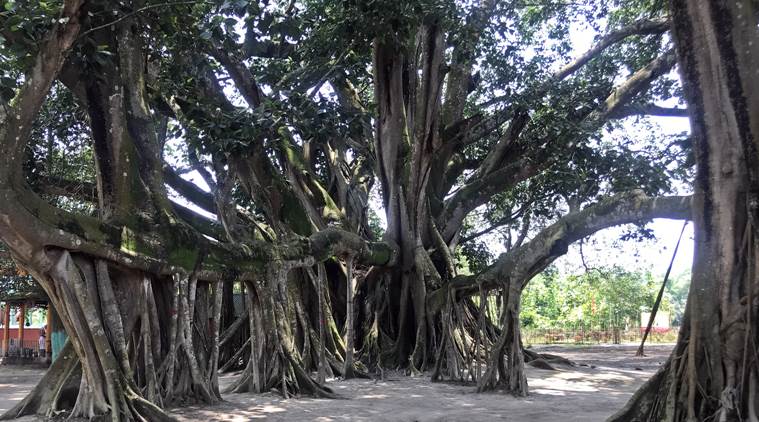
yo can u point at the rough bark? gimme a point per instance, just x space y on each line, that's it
712 374
275 363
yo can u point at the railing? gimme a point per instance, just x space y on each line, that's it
588 335
28 349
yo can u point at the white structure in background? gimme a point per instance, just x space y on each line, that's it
661 321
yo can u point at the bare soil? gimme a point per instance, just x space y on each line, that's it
16 382
604 378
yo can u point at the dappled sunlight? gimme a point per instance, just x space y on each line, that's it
579 393
15 384
549 392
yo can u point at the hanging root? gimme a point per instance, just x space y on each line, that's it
274 364
108 369
506 361
467 335
377 346
181 375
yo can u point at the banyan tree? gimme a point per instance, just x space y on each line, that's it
158 156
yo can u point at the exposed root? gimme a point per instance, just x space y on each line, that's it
58 387
274 363
531 356
541 364
506 361
108 368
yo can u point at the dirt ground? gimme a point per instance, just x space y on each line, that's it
601 383
15 383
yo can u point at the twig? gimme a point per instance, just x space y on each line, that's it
140 10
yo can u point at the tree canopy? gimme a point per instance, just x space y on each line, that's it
169 149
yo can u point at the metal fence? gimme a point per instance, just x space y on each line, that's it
595 335
29 349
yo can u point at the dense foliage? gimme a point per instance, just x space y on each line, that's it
606 297
14 282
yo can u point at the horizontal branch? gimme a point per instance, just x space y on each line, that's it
649 110
87 192
524 262
75 189
333 241
29 225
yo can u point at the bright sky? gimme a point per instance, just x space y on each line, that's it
605 249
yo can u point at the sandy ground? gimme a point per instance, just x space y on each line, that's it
581 393
15 383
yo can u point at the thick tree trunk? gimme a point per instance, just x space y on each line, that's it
407 137
115 332
713 372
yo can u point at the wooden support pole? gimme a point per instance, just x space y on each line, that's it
48 333
21 321
655 309
6 327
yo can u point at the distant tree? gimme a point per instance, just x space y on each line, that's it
15 282
677 291
601 297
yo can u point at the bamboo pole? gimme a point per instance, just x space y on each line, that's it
652 317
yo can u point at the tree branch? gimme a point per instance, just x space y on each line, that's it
526 261
499 223
240 74
473 128
76 189
649 110
499 176
189 190
642 27
635 84
138 11
39 79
